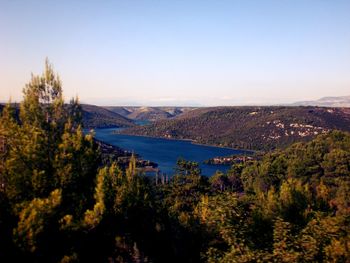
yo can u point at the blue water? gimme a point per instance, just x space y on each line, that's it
166 152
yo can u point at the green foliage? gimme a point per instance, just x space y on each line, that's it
34 219
185 190
184 168
48 169
93 217
298 214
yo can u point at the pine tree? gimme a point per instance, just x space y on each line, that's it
48 168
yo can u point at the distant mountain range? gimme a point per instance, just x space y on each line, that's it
149 113
343 101
257 128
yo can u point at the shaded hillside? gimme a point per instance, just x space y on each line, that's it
148 113
98 117
258 128
120 110
176 111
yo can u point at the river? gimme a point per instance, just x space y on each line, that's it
166 152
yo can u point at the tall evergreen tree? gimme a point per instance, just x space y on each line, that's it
49 166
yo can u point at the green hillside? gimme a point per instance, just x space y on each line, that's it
258 128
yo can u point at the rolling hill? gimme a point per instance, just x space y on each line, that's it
257 128
148 113
99 117
118 109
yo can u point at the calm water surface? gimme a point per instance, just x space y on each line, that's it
166 152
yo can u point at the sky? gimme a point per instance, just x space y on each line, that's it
180 52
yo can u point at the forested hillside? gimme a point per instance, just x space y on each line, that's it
258 128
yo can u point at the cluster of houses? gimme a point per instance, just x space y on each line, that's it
293 129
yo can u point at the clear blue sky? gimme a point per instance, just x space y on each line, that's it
179 52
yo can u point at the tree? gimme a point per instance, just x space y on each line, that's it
184 167
48 168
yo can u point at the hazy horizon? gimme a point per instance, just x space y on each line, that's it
183 53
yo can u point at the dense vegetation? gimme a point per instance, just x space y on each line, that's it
258 128
58 204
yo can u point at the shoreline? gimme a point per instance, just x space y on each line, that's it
194 142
